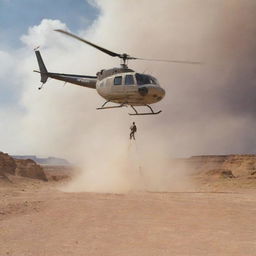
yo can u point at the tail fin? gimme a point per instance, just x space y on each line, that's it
42 68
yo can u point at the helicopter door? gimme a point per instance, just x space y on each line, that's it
118 87
129 81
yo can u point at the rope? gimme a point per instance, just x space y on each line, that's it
142 177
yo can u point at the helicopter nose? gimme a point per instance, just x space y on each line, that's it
157 92
162 92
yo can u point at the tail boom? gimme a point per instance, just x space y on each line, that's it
81 80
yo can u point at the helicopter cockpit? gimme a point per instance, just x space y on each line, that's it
145 79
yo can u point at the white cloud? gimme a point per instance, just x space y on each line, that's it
43 34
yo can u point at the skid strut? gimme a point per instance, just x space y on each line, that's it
103 106
144 114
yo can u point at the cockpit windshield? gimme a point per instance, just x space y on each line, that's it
145 79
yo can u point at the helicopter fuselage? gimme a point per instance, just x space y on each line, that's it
119 85
125 86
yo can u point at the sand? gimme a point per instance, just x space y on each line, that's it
37 219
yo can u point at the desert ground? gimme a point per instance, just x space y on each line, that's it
37 218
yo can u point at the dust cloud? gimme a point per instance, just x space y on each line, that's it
130 170
208 109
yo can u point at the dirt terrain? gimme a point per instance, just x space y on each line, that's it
216 218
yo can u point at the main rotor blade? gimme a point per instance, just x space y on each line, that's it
123 56
173 61
113 54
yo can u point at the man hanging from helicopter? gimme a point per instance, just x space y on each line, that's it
133 129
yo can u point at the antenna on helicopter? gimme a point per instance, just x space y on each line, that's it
40 87
36 48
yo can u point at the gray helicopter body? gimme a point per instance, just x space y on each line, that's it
125 86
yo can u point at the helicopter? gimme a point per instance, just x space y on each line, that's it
120 85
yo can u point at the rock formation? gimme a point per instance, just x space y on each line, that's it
226 166
28 168
7 164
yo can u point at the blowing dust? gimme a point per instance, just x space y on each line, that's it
129 169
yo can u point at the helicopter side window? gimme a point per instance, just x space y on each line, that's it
129 80
118 80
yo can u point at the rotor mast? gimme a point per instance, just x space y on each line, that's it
124 57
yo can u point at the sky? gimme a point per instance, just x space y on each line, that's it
208 109
17 16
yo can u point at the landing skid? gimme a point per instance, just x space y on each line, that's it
135 110
144 114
